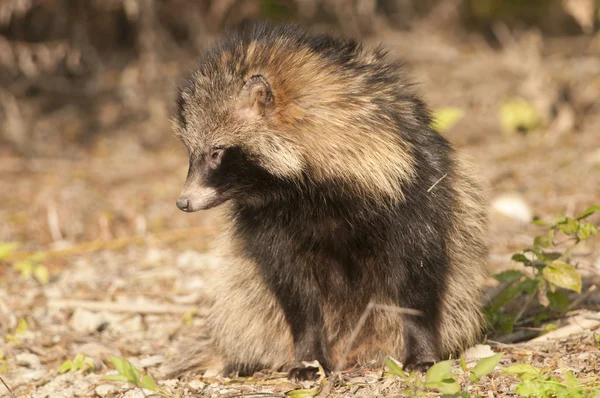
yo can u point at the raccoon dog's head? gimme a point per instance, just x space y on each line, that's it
282 109
222 121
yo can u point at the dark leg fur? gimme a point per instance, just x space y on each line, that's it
419 350
423 293
304 373
290 274
300 299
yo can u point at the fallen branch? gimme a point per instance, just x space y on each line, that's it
115 244
518 336
120 307
577 324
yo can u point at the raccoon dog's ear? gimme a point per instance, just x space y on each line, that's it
256 96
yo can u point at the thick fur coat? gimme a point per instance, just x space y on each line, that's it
338 194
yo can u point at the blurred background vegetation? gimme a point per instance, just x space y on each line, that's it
86 89
102 59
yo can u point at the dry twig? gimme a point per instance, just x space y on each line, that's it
361 323
8 388
120 307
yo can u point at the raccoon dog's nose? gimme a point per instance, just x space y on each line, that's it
183 203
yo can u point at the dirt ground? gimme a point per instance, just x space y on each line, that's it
127 269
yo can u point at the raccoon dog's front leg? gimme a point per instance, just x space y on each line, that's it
300 299
424 279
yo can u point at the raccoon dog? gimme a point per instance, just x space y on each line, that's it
338 194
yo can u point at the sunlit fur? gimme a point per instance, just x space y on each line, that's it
347 130
325 113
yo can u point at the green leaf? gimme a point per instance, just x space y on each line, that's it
523 370
518 114
446 386
508 295
394 368
25 268
463 363
78 363
41 274
563 275
12 339
496 318
571 381
439 371
541 242
559 301
549 256
444 118
541 223
527 389
120 364
508 276
66 366
520 258
126 369
302 393
569 226
148 383
21 327
486 365
306 393
134 374
530 286
90 364
586 230
588 212
6 249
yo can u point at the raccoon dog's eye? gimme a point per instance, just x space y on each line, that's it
216 153
215 156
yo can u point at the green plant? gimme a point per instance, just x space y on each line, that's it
80 362
13 338
415 385
444 118
306 393
30 267
441 377
519 115
483 367
541 384
551 271
19 330
128 373
6 249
